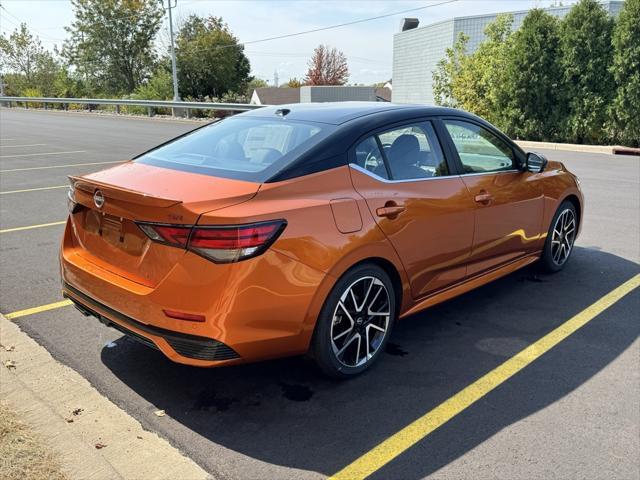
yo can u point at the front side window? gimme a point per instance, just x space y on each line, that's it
241 148
480 151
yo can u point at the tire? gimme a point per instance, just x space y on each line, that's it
560 238
344 330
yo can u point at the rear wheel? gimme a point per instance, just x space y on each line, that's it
355 322
560 238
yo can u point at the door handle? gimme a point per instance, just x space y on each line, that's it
484 198
390 210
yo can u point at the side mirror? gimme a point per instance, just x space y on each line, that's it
536 162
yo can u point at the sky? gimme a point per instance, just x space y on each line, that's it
368 46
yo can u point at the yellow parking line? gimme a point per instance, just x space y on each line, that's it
33 189
29 227
41 308
398 443
56 166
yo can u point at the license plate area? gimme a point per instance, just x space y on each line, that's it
121 233
112 231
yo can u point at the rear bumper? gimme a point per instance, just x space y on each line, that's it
256 309
190 346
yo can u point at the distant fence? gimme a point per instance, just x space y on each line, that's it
177 108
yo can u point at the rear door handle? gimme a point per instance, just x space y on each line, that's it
484 197
390 211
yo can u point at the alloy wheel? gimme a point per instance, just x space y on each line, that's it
563 236
360 321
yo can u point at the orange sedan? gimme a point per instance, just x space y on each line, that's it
309 229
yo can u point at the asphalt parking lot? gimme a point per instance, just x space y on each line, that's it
572 413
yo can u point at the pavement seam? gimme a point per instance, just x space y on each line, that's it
44 393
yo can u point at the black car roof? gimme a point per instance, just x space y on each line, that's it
337 113
352 120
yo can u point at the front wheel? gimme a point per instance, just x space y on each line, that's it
355 322
560 238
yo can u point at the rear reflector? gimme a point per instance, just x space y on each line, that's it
222 244
190 317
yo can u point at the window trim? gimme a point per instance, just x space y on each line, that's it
357 167
517 152
452 167
385 160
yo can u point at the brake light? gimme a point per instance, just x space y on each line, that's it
169 234
234 243
221 244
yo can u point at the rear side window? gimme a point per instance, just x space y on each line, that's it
241 148
369 157
413 152
408 153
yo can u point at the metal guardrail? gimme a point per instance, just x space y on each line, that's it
150 104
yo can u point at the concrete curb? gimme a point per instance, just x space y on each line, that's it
573 147
45 394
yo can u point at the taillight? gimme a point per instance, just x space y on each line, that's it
174 235
235 242
222 244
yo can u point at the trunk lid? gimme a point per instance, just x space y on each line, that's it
106 233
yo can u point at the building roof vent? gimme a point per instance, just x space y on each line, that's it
409 24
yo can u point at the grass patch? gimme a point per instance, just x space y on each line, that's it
23 455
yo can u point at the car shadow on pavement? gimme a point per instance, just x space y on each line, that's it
284 413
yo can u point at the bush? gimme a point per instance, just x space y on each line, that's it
32 92
625 110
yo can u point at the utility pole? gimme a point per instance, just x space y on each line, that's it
176 96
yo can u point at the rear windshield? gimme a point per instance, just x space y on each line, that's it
243 148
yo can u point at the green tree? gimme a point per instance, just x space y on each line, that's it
111 43
447 72
625 111
483 74
586 57
67 85
473 82
27 64
530 101
211 62
158 87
